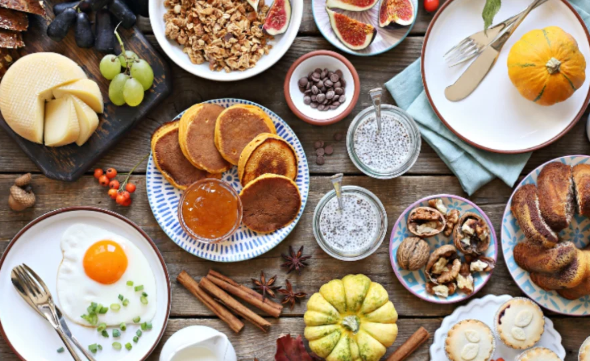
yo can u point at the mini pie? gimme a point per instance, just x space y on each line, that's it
585 351
538 354
470 340
520 323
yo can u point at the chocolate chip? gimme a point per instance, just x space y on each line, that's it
328 84
308 86
330 94
319 152
337 104
342 98
317 144
339 72
329 149
320 161
303 82
307 92
342 82
306 100
337 84
338 136
335 98
321 107
321 97
324 73
339 91
315 90
318 70
332 107
315 76
314 98
334 78
320 84
314 105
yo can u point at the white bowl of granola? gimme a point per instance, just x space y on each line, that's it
224 41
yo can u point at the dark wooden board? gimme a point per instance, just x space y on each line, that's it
69 162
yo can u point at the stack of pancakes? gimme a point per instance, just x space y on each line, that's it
209 139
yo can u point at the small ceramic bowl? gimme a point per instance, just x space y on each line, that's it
306 64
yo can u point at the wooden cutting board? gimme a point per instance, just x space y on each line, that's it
68 163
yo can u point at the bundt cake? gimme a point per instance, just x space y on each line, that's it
542 211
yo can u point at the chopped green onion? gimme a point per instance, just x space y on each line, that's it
93 348
103 310
123 326
115 307
99 346
91 319
138 333
60 350
137 319
144 294
144 300
128 346
146 326
92 308
116 333
135 339
125 302
121 297
138 288
101 327
129 283
117 345
105 333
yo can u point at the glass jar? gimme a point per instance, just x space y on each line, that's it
362 226
389 146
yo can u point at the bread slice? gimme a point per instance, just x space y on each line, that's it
267 153
581 174
557 200
535 258
569 277
525 207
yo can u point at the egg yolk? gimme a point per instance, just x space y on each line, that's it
105 262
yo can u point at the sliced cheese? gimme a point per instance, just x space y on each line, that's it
87 119
26 86
61 122
85 89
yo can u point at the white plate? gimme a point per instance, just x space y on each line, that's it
484 309
496 117
578 232
385 39
38 245
245 243
281 43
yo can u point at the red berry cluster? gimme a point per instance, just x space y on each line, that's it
120 192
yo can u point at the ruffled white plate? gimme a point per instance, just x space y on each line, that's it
385 39
484 309
578 232
244 244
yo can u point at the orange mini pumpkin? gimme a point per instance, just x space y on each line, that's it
546 66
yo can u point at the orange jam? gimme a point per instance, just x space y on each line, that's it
210 209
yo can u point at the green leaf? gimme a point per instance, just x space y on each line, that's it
489 12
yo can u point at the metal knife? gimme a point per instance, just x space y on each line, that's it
68 333
477 71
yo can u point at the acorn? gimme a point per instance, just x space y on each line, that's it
21 194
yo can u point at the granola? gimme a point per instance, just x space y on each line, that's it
226 33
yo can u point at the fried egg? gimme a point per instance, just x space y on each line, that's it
96 267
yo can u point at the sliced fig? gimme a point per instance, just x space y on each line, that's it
400 12
254 4
351 5
352 33
278 17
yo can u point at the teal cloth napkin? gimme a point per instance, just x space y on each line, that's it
472 166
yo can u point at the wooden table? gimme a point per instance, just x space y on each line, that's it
428 176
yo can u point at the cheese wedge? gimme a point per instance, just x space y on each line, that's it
85 89
87 119
27 84
61 122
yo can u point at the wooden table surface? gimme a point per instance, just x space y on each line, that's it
428 176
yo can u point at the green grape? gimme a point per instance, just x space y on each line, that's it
110 66
116 89
131 55
142 71
133 92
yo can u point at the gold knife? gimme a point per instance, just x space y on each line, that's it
477 71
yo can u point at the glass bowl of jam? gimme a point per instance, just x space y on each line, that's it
356 231
210 210
386 154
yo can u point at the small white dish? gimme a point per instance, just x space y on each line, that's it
38 246
204 341
484 309
280 45
322 59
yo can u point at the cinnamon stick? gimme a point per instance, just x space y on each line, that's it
234 305
407 348
232 321
246 294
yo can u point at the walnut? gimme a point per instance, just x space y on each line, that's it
443 291
482 264
465 283
413 253
472 235
452 219
426 222
437 203
443 265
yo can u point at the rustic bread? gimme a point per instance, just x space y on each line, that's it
525 207
535 258
555 189
569 277
581 174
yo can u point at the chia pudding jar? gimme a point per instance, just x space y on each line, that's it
357 231
387 154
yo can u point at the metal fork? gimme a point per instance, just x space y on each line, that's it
34 291
473 45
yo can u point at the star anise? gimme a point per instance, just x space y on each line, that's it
291 297
265 287
295 261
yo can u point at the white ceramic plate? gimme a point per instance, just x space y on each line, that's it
495 116
280 43
385 39
578 232
484 309
415 281
38 245
244 244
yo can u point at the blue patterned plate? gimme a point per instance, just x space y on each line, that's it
244 244
415 281
578 232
